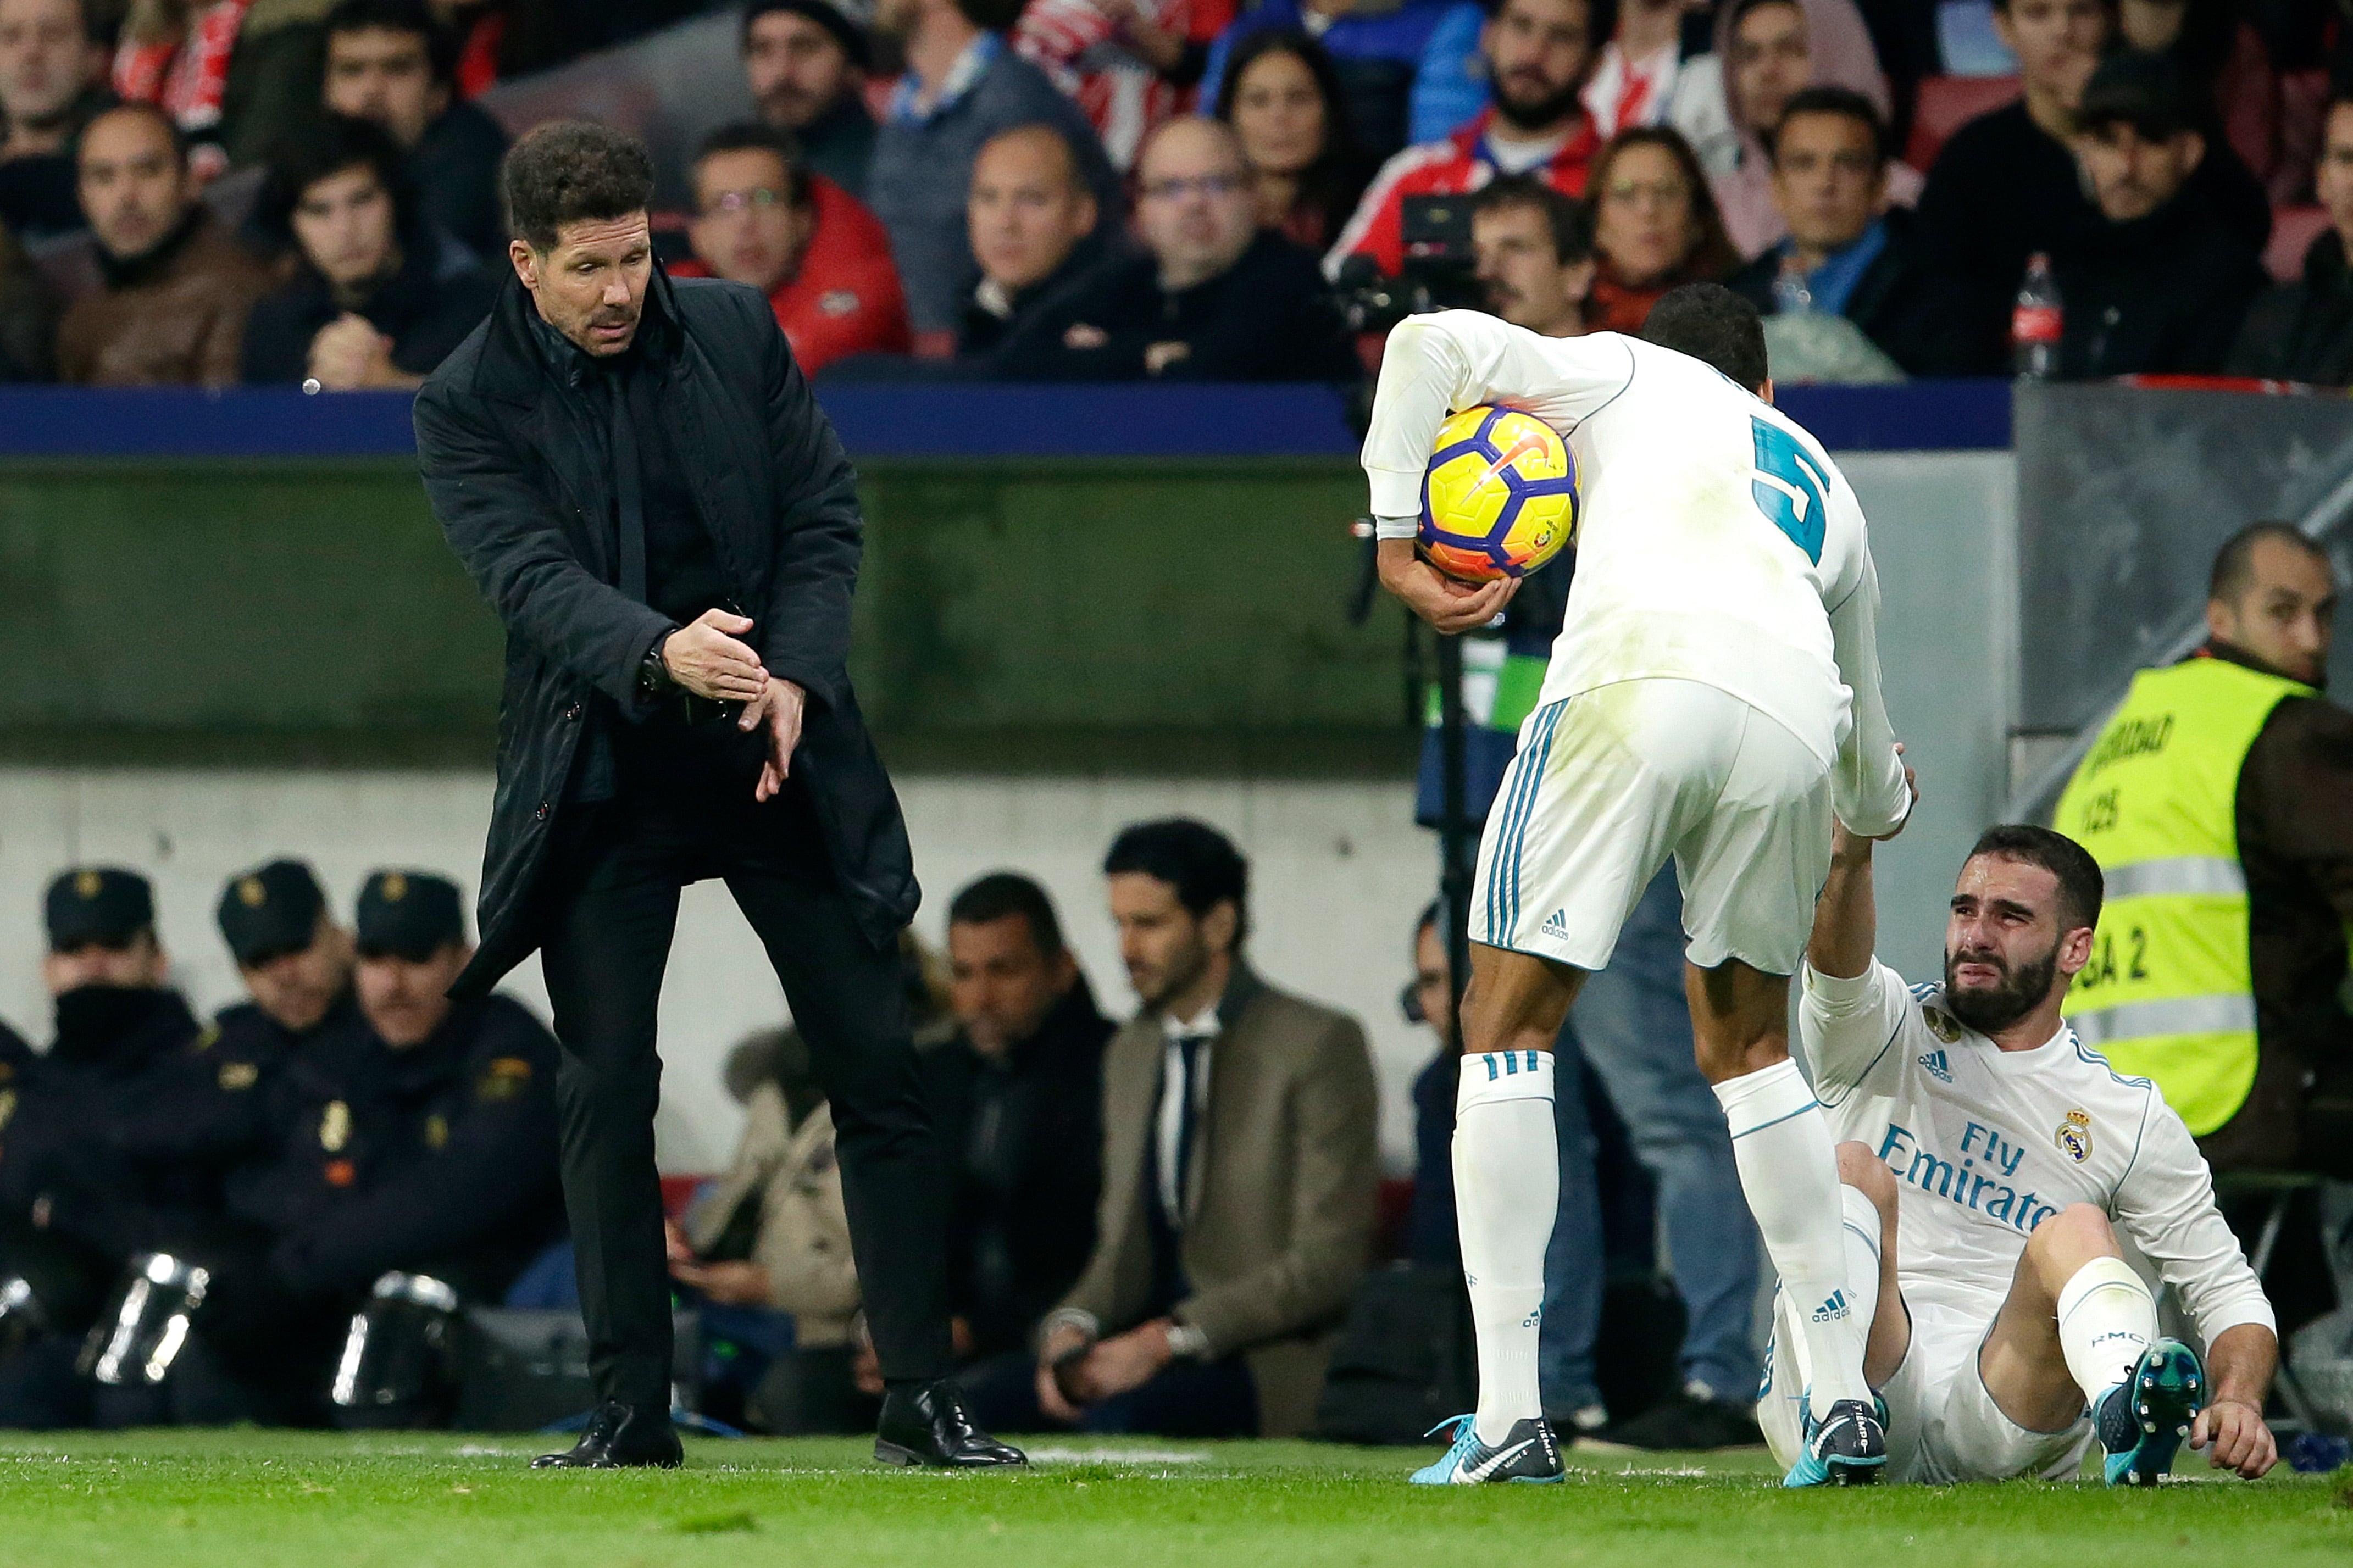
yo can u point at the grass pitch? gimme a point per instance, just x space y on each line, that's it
252 1500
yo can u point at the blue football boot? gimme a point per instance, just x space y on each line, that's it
1527 1454
2142 1421
1848 1448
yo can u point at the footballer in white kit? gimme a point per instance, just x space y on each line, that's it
1713 696
1991 1163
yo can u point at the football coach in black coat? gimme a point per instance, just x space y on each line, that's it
639 481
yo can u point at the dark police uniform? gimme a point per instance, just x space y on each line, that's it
436 1158
78 1191
599 503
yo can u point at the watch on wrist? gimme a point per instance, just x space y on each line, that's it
653 675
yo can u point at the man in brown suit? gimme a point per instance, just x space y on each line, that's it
1241 1159
176 285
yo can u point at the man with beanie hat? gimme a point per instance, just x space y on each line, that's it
2159 282
807 61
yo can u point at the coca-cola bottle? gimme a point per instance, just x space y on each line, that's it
2036 322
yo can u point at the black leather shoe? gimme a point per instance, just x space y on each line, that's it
927 1426
620 1437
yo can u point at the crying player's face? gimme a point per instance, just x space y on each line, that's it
2001 942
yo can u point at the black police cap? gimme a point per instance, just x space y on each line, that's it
408 914
270 910
102 904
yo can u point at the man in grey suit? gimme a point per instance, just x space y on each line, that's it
1240 1162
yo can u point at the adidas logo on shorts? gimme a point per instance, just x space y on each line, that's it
1832 1309
1556 924
1938 1068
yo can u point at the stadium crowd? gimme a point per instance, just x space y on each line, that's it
282 191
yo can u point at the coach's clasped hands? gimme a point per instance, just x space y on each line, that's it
1451 606
708 658
780 707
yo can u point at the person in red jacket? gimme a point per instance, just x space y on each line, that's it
1538 55
822 259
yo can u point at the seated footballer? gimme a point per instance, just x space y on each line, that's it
1989 1164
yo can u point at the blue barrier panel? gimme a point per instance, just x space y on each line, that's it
881 421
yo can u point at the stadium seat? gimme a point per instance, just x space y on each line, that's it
1945 104
2293 231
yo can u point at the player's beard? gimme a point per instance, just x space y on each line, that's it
1988 1008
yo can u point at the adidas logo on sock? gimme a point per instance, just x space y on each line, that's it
1832 1311
1938 1068
1556 924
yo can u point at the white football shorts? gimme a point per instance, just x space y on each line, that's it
1943 1425
1609 783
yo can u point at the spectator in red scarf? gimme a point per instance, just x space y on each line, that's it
1282 95
823 260
1655 227
237 78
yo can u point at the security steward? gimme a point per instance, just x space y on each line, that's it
642 484
2219 802
423 1141
78 1193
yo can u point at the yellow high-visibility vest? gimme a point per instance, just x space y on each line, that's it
2168 994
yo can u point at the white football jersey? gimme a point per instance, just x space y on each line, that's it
1716 540
1986 1144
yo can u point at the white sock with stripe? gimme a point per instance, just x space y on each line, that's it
1859 1239
2107 1319
1506 1190
1781 1146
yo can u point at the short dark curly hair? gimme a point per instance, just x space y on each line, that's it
327 145
572 171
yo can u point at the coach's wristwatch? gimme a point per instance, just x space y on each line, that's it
653 676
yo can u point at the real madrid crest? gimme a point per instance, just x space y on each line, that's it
2074 1136
1941 1024
88 884
335 1127
251 893
236 1076
395 887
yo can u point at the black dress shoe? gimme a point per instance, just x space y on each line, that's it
927 1426
620 1437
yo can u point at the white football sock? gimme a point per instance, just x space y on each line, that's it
1506 1191
2107 1319
1860 1239
1781 1146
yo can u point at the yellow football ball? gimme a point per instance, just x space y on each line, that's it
1500 498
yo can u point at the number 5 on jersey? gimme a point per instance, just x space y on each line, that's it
1788 487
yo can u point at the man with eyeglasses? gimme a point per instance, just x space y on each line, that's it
763 218
1212 298
1848 257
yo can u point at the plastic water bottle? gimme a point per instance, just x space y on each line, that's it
1790 295
2036 322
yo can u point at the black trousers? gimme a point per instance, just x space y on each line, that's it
684 813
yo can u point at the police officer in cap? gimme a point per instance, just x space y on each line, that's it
295 960
424 1142
77 1198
